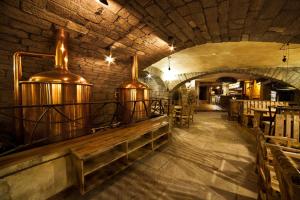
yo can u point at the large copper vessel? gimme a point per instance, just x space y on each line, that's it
134 98
55 87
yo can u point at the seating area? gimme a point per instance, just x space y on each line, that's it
128 100
278 170
249 112
183 116
277 130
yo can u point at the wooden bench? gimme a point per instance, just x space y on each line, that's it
287 172
269 183
113 151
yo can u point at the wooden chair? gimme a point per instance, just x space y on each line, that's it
287 173
286 128
269 124
234 109
191 114
185 116
174 115
269 183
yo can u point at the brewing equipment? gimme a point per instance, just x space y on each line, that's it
53 101
134 97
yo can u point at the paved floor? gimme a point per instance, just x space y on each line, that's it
208 107
213 159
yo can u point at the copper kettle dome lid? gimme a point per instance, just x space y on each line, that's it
58 76
60 73
135 84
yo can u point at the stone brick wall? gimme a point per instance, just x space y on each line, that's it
23 32
30 25
156 84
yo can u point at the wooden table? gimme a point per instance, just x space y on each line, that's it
258 114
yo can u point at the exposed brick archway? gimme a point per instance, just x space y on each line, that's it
286 75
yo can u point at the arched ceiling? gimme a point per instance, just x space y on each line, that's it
230 55
215 77
196 22
144 26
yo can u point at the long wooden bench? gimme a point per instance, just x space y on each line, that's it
98 160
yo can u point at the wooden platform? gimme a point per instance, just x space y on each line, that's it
22 160
97 160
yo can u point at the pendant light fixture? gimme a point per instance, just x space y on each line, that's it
285 58
169 63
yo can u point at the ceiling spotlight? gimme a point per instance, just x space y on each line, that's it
109 59
172 48
103 2
171 43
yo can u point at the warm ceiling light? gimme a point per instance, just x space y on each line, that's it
172 48
171 43
109 59
149 76
103 2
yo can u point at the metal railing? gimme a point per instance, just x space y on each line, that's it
102 115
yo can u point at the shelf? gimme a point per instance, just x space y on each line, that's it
159 142
99 160
106 158
158 135
100 176
139 142
160 132
138 154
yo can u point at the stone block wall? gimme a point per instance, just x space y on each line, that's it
27 25
22 32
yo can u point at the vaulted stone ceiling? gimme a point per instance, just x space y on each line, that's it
230 55
144 26
194 22
202 23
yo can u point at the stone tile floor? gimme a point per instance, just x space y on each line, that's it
213 159
208 107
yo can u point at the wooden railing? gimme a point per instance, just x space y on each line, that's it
249 105
238 108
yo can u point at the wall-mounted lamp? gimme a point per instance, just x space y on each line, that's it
108 58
